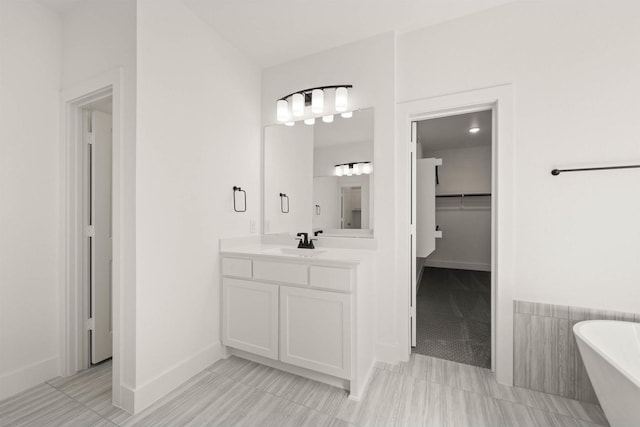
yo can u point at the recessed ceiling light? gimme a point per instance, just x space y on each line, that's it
474 130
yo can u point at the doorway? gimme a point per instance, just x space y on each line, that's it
453 277
500 100
97 123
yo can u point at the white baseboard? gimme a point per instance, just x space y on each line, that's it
458 265
146 394
387 353
29 376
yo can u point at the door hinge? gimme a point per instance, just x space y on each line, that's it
91 324
91 230
412 311
91 138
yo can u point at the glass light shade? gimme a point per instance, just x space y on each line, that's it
290 123
328 119
346 170
474 130
347 115
341 99
338 170
282 110
367 168
297 104
317 101
357 169
310 121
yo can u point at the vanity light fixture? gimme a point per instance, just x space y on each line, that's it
317 101
474 129
295 103
328 119
310 121
355 168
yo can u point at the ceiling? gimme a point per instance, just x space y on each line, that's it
453 131
276 31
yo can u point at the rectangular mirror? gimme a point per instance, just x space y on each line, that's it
320 177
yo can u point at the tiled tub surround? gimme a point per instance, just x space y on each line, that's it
546 354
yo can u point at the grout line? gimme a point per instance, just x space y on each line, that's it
81 404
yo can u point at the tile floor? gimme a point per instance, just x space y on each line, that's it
454 316
234 392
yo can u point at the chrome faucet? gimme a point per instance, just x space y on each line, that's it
305 242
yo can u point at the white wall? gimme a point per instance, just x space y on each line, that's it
30 46
288 152
465 223
99 37
576 77
370 66
198 136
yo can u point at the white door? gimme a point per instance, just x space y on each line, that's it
101 253
423 216
250 316
315 330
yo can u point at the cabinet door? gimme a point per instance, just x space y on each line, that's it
250 316
315 330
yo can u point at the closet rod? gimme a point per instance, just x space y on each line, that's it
464 195
556 172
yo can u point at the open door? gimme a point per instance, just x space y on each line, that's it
100 159
423 216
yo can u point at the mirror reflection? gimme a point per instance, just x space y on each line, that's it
325 171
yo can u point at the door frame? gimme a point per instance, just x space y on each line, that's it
500 100
73 295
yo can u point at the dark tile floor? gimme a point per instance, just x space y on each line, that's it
454 316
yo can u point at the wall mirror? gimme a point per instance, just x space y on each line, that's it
320 177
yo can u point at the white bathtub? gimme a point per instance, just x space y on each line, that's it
611 353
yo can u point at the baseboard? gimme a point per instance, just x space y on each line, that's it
149 392
29 376
458 265
387 353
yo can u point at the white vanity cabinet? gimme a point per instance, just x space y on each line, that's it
250 316
315 330
299 313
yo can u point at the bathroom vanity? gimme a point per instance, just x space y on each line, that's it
306 311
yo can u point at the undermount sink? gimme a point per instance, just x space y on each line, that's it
307 253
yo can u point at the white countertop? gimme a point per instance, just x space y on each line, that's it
322 255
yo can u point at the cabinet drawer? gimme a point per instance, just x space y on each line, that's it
339 279
236 267
281 272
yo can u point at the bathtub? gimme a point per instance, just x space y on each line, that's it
611 353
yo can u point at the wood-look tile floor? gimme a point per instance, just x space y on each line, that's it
234 392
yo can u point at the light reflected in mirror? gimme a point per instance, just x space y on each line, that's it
301 161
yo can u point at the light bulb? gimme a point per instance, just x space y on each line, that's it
290 123
297 104
347 115
345 170
357 169
338 170
341 99
328 119
282 110
366 168
317 101
474 130
309 121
